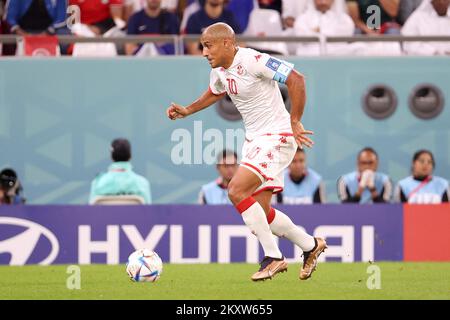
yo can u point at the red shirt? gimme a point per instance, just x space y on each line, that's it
93 11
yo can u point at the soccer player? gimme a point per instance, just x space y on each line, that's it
272 137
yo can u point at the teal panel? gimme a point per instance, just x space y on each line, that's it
58 116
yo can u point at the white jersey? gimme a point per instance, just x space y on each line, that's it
250 82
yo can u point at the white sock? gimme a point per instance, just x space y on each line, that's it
282 226
254 217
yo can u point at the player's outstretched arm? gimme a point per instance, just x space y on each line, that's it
175 111
297 93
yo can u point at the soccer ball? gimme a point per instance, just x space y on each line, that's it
144 265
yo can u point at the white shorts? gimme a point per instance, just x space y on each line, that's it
267 156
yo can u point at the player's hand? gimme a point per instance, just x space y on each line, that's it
175 111
301 135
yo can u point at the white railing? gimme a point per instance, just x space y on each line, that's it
180 40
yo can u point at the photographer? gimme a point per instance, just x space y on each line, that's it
10 188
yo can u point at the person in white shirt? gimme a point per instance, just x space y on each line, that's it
407 7
324 17
291 9
432 18
272 137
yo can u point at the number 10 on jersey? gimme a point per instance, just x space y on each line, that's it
232 87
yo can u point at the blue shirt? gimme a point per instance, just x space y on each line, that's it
17 8
433 190
200 20
241 10
120 180
166 23
214 193
305 192
348 185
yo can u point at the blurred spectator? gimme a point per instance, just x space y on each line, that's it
369 22
291 9
10 188
432 18
212 12
324 17
120 178
152 21
302 185
36 16
188 11
2 12
100 15
407 7
216 192
266 23
6 49
271 4
133 6
365 185
2 9
2 23
241 10
170 5
422 187
130 7
359 11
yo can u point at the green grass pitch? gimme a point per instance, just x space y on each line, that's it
230 281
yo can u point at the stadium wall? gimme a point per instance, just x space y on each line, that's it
205 234
58 116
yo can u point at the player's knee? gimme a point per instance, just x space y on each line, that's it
235 193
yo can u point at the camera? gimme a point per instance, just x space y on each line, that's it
8 179
11 187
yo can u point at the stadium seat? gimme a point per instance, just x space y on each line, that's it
266 22
118 200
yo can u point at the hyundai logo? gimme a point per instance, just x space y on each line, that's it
22 246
